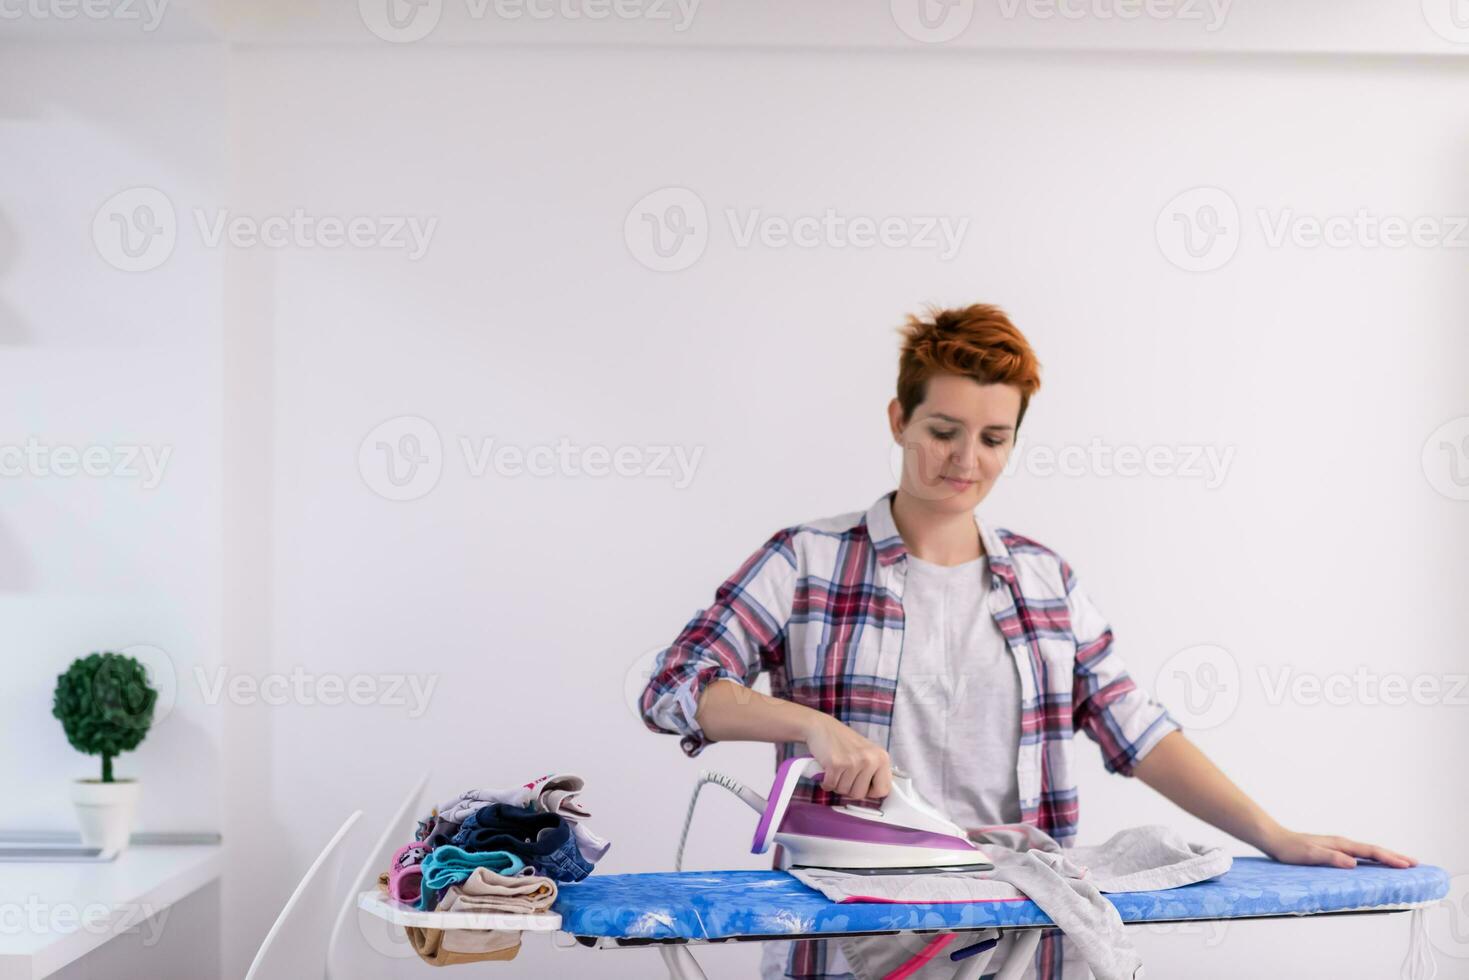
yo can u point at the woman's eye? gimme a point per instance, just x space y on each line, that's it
992 441
945 435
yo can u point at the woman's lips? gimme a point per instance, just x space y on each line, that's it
959 484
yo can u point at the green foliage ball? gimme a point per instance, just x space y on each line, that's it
105 705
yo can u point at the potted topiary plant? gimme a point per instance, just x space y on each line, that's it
105 705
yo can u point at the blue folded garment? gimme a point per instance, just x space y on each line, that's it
542 840
449 865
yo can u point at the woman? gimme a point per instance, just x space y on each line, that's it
919 636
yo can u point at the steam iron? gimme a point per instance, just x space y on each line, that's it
904 835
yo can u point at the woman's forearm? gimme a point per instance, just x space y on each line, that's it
851 764
732 712
1176 768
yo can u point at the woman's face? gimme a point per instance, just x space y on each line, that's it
957 443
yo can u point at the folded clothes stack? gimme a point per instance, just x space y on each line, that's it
493 851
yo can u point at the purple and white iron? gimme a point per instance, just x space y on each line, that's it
904 834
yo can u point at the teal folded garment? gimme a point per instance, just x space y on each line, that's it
448 865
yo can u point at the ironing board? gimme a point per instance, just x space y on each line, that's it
673 911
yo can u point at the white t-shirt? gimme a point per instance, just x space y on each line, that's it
956 717
956 720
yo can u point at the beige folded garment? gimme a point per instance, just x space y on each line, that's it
487 891
450 947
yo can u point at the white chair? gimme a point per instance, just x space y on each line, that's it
345 955
295 948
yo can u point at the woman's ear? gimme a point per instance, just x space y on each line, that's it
895 419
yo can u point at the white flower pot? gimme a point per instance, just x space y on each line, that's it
105 812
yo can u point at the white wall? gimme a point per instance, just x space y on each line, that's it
528 600
528 320
125 365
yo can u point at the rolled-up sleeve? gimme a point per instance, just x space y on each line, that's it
1122 718
742 633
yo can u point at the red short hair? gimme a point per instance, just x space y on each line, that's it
977 341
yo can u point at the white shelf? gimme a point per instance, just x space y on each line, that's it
83 905
399 914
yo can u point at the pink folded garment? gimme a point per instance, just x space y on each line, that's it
405 876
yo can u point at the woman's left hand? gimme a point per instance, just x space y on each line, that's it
1291 847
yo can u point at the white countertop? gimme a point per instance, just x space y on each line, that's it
54 914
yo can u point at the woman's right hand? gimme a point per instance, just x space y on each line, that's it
854 766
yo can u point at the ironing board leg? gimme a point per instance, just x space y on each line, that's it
973 968
681 963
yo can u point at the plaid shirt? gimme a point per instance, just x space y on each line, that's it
819 608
